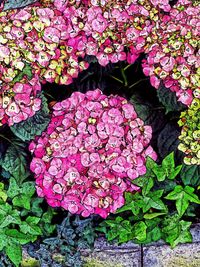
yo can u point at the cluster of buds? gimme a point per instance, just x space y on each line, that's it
92 149
190 134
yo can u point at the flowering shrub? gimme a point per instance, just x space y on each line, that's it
174 56
20 100
94 154
190 134
93 147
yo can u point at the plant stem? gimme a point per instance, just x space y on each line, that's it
131 86
115 78
124 77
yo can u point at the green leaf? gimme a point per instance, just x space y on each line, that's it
169 99
27 70
3 240
153 230
165 144
183 196
19 237
21 196
160 173
152 200
22 201
35 125
30 226
140 231
168 169
145 182
15 161
190 175
175 231
14 253
153 215
8 216
13 189
28 188
35 206
131 204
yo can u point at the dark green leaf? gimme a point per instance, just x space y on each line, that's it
169 99
167 143
190 175
15 161
28 129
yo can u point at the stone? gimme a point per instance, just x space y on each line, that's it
111 255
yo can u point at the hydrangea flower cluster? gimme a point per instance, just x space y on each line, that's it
174 57
112 27
92 149
190 134
19 100
40 36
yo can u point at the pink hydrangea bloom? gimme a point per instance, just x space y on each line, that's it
174 57
93 147
19 101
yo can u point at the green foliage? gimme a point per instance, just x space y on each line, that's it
150 214
28 129
73 235
15 160
190 175
183 196
175 231
22 220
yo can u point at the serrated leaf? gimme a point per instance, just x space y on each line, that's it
35 125
14 253
183 196
190 175
169 99
15 161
